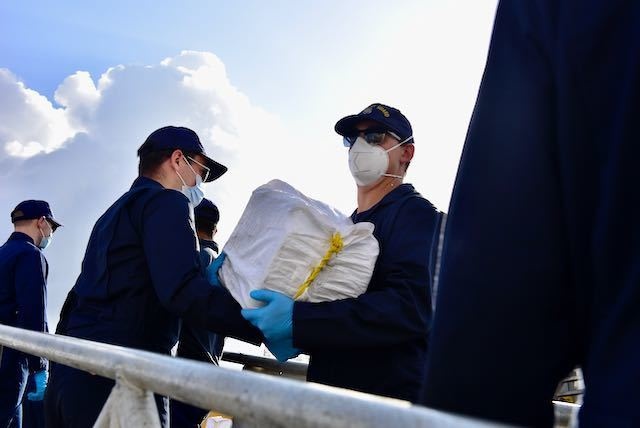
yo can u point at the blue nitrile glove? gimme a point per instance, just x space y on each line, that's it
283 349
40 380
213 268
275 318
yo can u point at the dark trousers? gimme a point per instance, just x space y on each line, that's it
185 415
32 411
75 398
13 382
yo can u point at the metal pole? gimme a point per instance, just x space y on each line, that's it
253 399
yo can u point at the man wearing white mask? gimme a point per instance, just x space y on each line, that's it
23 302
142 274
377 342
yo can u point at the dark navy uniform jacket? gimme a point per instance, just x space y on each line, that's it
23 289
23 297
141 275
541 264
198 343
377 343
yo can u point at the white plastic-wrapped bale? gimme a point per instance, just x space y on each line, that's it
298 246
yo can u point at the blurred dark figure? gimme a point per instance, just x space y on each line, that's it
541 263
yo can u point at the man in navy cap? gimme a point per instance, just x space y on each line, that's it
142 274
541 261
197 343
23 301
377 342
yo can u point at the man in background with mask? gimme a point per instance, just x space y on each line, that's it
141 275
197 343
377 342
23 302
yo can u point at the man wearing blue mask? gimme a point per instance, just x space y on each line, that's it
377 342
142 275
23 301
197 343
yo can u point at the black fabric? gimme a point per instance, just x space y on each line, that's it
541 265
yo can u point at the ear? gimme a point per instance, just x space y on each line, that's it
40 222
174 159
407 153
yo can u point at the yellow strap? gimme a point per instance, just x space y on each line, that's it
334 248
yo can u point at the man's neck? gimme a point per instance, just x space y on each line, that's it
33 234
370 195
164 179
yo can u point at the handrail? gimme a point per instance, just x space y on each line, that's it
252 399
565 413
290 369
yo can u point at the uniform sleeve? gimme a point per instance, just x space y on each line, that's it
31 298
69 304
395 312
505 299
170 247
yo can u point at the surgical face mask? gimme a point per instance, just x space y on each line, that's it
195 194
368 163
46 240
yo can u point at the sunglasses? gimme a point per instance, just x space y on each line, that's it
204 168
375 137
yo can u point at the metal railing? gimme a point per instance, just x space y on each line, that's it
252 399
270 366
565 412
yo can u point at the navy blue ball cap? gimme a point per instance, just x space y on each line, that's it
27 210
178 137
388 118
208 211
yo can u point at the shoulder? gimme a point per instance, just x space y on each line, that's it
414 204
166 200
26 252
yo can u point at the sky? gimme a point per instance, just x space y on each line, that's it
262 83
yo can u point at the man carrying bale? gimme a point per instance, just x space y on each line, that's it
376 342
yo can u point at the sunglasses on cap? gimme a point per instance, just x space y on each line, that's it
375 137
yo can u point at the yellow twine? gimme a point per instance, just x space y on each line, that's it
334 248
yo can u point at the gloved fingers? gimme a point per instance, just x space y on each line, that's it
264 295
254 316
218 261
35 396
282 349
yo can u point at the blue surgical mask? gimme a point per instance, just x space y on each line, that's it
195 194
46 240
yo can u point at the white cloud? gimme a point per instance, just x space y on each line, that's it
30 124
82 156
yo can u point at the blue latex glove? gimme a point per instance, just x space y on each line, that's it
283 350
213 268
275 318
40 380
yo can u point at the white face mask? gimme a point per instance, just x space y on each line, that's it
46 240
368 163
195 194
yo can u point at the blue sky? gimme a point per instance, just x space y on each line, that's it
263 83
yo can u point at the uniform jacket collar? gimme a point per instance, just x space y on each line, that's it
19 236
398 193
145 182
